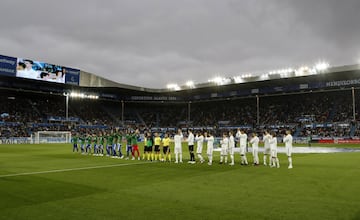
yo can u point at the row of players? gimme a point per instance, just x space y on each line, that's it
152 144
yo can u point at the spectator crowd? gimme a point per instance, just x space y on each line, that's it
323 114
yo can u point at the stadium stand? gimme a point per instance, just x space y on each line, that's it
323 114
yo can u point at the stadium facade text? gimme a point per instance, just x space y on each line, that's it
154 98
343 82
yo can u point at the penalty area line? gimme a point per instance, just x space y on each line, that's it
70 169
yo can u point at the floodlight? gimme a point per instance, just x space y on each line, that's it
304 69
92 96
265 76
74 94
246 76
314 71
173 86
238 79
190 84
274 72
217 80
322 66
83 95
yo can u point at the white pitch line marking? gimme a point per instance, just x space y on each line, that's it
69 169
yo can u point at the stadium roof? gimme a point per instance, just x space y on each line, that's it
282 81
223 81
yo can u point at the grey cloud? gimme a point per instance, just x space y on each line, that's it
150 43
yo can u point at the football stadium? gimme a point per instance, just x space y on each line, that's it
75 145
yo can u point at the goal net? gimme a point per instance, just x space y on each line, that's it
52 137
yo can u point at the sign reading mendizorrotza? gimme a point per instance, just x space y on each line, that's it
7 66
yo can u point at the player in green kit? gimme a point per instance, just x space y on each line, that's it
114 145
82 144
74 140
101 146
95 141
88 143
119 144
109 143
104 137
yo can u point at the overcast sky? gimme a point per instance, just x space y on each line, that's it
154 42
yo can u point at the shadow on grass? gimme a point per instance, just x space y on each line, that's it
29 190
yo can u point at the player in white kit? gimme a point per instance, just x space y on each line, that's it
255 148
210 146
266 139
199 142
243 140
273 151
177 148
224 148
288 140
231 147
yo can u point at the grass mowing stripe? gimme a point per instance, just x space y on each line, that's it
70 169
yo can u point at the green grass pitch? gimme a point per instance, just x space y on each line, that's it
321 186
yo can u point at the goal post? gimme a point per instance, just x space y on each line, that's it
52 137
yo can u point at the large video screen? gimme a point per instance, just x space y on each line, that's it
30 69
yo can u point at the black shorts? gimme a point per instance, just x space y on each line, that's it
165 149
148 148
191 148
157 148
